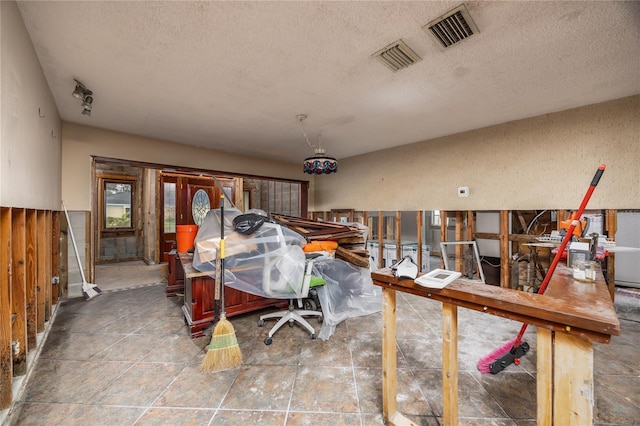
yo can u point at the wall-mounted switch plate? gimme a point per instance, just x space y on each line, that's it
463 191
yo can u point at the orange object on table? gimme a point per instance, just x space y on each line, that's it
320 246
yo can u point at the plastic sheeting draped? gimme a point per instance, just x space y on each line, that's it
271 263
349 293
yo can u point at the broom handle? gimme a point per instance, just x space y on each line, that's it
73 240
223 314
563 245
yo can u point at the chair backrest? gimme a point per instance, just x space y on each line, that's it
284 274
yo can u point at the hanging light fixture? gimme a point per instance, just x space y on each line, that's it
320 163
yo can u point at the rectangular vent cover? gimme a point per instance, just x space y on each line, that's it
452 27
397 56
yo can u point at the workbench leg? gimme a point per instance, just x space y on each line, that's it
450 364
573 398
389 378
544 376
389 372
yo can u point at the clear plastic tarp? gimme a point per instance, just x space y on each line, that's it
271 263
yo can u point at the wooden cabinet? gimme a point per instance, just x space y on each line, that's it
200 307
175 279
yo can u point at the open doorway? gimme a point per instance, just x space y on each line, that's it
137 206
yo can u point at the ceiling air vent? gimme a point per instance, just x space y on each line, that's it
397 56
452 27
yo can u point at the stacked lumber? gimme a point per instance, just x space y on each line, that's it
350 238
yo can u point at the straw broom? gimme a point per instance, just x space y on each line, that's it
223 353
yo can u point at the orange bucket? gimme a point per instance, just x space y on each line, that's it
185 235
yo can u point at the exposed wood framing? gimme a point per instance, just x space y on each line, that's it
419 226
42 251
18 293
25 289
504 249
398 232
611 223
31 277
63 255
459 232
380 239
464 231
52 293
443 231
6 367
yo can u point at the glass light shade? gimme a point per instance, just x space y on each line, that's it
78 92
86 112
88 101
320 163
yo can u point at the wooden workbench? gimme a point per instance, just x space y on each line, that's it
569 317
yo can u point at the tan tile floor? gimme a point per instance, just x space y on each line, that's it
126 358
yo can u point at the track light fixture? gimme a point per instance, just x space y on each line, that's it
85 95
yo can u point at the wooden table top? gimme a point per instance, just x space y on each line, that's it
568 305
187 265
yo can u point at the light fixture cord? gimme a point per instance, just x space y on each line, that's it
318 141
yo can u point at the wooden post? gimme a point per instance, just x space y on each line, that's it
544 379
398 235
469 225
18 292
52 292
560 216
419 215
450 364
380 239
504 249
6 368
458 237
573 398
63 256
611 221
31 222
42 249
443 232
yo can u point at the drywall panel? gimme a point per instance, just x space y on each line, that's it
544 162
30 146
488 222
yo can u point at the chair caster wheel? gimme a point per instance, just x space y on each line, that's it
313 336
261 323
268 341
291 323
320 320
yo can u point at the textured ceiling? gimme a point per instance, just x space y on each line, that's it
234 75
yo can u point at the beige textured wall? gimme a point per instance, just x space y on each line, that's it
81 142
545 162
30 142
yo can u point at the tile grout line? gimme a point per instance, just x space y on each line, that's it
353 372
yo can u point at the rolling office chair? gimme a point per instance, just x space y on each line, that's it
273 286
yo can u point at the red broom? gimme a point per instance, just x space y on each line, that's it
510 352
